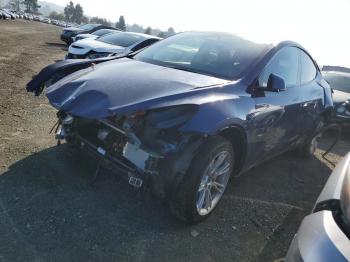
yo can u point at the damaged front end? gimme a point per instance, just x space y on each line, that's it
141 145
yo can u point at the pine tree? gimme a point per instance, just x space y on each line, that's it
31 6
121 23
171 31
16 4
69 11
78 14
148 30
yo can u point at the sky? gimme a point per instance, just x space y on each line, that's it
321 26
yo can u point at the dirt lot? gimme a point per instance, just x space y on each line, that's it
50 212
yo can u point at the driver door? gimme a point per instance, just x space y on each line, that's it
276 119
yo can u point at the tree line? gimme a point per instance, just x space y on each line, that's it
75 14
30 6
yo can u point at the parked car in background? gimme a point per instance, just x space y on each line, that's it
182 115
118 43
70 32
339 80
95 34
47 20
324 235
4 15
10 14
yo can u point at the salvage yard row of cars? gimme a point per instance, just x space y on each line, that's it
7 14
181 115
97 41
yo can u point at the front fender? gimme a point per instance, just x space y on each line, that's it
213 117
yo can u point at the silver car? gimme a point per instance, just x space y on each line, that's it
120 44
324 235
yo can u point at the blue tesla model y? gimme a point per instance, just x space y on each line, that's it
181 116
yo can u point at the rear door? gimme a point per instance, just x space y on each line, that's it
313 93
277 115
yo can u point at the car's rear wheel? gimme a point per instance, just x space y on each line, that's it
310 145
205 182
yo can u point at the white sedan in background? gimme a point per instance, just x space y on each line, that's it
121 43
95 34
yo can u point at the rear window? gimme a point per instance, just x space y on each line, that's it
102 32
88 26
121 39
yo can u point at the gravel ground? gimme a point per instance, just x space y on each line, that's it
50 212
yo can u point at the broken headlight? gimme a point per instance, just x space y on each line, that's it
162 126
344 108
158 129
171 117
345 198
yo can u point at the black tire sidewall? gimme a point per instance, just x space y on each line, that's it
186 198
305 150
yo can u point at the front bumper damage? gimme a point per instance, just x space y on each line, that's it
121 151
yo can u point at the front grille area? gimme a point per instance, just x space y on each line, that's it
102 135
98 137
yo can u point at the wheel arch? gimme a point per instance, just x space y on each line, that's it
237 136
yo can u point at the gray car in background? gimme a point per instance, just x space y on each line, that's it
324 235
95 34
114 44
339 80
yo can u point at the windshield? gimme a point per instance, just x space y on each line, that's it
88 26
218 54
102 32
338 81
121 39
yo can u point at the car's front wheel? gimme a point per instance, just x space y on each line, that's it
205 182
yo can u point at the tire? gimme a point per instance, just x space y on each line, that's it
310 145
192 197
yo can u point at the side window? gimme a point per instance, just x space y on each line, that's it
285 64
308 69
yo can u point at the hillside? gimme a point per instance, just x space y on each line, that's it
47 7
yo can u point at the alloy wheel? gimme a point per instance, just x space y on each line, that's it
213 182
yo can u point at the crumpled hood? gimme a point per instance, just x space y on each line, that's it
84 46
121 85
340 97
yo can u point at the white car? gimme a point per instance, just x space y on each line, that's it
95 34
121 43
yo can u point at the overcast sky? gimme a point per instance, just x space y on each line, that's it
321 26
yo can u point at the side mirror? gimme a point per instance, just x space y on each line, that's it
276 84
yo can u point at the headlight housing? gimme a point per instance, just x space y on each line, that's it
158 129
171 117
344 108
99 55
341 109
345 197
